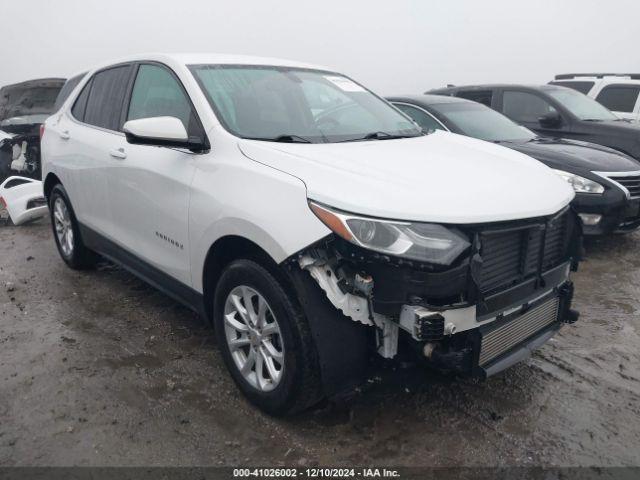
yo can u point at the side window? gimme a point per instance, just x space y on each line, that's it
66 91
524 106
480 96
104 105
80 105
157 93
426 121
619 98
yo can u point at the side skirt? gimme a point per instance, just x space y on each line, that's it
165 283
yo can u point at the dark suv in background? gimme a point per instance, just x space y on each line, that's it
555 111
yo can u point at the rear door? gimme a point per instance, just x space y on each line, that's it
526 108
151 185
83 137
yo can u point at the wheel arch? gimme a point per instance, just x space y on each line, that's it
49 182
225 250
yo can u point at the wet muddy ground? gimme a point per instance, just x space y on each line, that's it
96 368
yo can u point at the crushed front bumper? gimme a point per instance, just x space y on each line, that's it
505 339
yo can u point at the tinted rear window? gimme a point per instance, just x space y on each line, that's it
81 102
619 98
106 98
66 91
582 87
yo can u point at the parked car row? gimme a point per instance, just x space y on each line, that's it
618 92
606 182
312 222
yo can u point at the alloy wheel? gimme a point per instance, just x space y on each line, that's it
253 335
63 226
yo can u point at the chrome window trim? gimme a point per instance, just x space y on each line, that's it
422 110
611 176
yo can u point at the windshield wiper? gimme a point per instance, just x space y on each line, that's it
286 138
380 136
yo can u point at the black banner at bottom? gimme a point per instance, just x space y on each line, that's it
398 473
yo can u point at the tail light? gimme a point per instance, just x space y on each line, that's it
41 131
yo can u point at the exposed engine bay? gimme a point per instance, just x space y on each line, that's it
506 296
20 154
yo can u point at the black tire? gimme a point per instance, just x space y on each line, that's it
300 385
81 258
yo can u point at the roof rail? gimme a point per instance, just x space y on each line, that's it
569 76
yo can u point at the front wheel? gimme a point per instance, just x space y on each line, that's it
265 340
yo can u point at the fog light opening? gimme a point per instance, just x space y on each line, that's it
590 219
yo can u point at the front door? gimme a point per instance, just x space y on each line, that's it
526 108
151 184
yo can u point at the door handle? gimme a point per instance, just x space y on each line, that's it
119 153
65 135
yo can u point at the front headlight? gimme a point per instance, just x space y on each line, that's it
424 242
581 184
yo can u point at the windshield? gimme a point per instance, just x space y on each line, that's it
580 105
482 122
298 105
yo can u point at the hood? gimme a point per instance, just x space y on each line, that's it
574 155
29 98
441 177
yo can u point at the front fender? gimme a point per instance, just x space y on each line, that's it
233 195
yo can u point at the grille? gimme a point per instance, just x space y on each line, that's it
631 183
504 338
510 256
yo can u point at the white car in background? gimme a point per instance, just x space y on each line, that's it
620 93
309 220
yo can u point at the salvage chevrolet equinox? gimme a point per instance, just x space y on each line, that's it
309 220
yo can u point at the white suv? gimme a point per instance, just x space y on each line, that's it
618 92
309 220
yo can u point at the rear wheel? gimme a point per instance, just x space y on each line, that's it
265 340
66 231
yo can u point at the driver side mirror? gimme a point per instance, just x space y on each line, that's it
550 120
161 132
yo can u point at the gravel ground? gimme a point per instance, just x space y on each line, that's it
96 368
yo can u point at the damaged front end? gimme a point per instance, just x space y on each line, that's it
23 109
470 299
